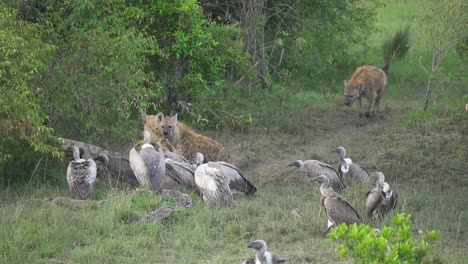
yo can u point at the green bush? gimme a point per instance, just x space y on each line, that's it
396 46
393 244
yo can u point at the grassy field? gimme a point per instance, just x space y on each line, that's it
423 155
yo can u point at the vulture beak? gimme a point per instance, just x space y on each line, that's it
250 245
292 164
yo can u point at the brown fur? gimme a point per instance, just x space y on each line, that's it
183 139
367 81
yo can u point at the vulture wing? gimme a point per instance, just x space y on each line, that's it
155 165
237 178
375 198
139 168
182 173
213 185
340 211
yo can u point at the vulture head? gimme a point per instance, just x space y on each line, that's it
323 180
258 245
345 162
198 159
380 177
297 163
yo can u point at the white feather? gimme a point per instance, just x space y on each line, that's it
268 258
345 169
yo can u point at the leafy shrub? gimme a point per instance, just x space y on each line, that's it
397 46
393 244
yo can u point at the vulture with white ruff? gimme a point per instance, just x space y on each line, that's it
375 201
148 164
215 180
351 172
81 175
315 168
338 209
391 197
263 256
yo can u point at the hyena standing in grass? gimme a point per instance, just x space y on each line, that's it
183 139
367 81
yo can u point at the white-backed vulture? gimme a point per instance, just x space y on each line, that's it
350 171
391 198
180 174
338 209
118 166
315 168
263 256
148 164
215 180
81 175
375 201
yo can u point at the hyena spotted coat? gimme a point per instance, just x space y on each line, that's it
367 81
183 139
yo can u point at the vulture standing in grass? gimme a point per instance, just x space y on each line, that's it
338 209
315 168
118 166
263 256
180 173
375 201
386 200
350 171
148 164
391 197
215 180
81 175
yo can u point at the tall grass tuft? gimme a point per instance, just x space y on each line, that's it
396 47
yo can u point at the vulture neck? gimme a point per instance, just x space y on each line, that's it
301 165
147 145
262 254
326 190
76 155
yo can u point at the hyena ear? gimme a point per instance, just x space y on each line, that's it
345 82
174 118
159 117
143 118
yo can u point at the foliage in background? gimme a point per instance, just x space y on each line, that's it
23 63
442 26
318 39
196 57
393 244
97 79
396 46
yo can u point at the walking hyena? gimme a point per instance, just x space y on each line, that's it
183 139
367 81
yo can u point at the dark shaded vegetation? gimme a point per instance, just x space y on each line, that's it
86 69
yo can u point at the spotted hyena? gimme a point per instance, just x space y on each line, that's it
183 139
367 81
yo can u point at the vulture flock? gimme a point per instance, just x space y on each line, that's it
150 166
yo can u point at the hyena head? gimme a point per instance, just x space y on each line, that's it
168 124
350 93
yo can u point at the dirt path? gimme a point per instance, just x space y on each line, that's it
265 154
